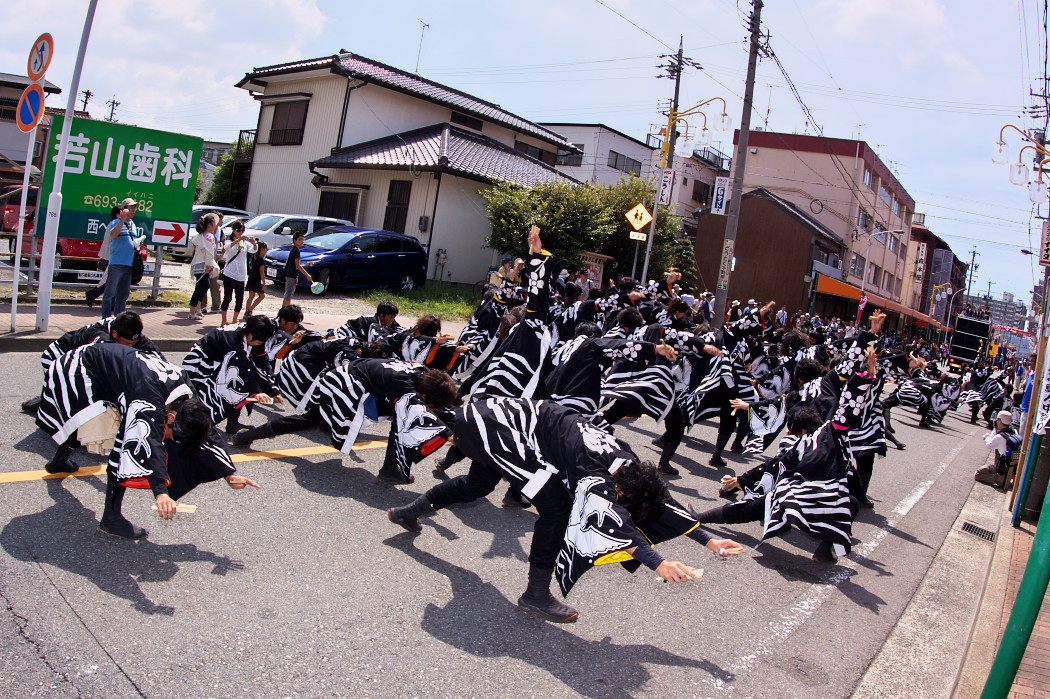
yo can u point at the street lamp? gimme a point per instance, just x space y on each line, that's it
683 149
1019 172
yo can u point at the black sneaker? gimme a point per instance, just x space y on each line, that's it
68 467
717 461
409 523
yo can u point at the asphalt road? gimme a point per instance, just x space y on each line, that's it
304 589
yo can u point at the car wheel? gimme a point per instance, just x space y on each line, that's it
407 283
324 276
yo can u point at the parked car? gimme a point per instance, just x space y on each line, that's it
11 201
228 216
349 257
276 229
64 247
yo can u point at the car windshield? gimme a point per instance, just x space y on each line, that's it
330 240
264 222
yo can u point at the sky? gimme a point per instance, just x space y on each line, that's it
927 83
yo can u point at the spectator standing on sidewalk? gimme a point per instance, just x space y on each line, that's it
103 259
293 267
203 265
256 285
235 273
121 259
213 282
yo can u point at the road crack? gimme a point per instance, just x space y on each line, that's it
22 624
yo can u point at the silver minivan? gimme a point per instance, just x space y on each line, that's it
277 229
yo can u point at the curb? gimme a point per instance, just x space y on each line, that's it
144 303
31 341
924 654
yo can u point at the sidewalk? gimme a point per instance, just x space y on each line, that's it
1033 677
169 328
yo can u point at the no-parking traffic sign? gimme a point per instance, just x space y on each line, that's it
30 108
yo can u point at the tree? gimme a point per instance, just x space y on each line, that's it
585 218
230 184
573 218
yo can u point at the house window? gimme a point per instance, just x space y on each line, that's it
7 108
891 243
869 178
863 220
544 156
887 282
397 206
339 204
856 265
875 276
897 289
621 162
701 192
896 206
885 195
289 121
570 159
468 121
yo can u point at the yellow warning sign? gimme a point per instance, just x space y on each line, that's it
639 217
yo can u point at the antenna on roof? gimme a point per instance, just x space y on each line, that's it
420 51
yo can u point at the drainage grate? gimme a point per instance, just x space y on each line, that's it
980 532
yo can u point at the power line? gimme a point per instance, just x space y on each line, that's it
636 26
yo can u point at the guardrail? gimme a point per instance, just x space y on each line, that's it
29 275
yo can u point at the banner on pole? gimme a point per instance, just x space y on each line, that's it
666 186
720 198
725 266
108 162
1043 416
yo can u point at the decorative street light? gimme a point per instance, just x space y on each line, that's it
1019 172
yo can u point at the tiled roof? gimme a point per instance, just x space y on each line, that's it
813 223
361 68
445 148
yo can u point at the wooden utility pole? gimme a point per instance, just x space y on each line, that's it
739 166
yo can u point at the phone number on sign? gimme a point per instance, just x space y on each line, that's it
104 200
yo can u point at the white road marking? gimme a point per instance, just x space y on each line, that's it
780 630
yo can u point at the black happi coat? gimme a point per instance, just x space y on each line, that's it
102 331
575 376
80 385
224 370
341 394
302 370
366 329
279 345
532 442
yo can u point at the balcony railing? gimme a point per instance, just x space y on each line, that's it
245 145
714 156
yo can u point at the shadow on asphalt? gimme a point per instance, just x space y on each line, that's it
481 621
66 536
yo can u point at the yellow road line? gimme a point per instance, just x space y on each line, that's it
42 475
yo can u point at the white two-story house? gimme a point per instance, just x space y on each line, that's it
348 137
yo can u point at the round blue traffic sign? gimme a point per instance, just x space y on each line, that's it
30 108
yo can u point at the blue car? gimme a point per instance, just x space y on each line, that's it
349 257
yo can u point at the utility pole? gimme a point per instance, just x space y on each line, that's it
88 94
739 166
674 70
973 266
112 104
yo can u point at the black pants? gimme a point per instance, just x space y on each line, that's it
553 504
992 408
621 408
229 288
753 510
286 424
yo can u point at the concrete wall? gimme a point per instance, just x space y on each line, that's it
460 228
597 141
280 179
814 182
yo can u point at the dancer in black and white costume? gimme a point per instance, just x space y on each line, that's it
162 438
228 369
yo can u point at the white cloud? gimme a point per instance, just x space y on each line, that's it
171 65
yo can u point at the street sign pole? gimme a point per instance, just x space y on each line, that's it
54 203
16 262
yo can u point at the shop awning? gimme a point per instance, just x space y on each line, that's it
836 287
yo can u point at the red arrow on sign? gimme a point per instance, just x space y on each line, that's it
168 232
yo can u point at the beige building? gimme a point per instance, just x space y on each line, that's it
347 137
844 185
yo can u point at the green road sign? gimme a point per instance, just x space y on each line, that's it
108 162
